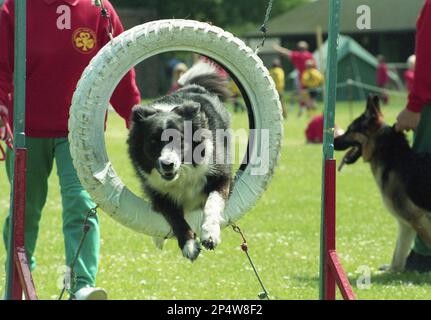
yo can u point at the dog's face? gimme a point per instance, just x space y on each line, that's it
360 134
158 136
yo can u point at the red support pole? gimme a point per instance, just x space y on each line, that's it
23 267
329 227
19 216
333 271
340 276
15 267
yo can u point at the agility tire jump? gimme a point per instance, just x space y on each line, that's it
91 100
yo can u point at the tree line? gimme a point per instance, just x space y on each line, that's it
239 15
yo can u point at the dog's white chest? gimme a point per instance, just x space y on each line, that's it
187 190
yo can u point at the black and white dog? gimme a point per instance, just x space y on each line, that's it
182 163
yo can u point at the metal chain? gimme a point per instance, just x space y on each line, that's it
106 15
263 28
85 228
244 247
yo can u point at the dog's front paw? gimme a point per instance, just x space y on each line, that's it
210 236
191 249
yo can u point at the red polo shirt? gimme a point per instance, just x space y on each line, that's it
57 54
314 131
382 74
421 91
299 59
409 77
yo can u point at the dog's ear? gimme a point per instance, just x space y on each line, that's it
140 113
188 110
373 106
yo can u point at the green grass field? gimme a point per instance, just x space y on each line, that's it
282 231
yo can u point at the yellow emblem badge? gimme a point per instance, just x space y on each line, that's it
84 40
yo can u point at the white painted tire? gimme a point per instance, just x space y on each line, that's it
91 99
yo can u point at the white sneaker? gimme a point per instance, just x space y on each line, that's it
89 293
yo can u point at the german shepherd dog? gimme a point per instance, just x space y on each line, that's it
181 175
403 176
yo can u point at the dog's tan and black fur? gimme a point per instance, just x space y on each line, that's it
403 176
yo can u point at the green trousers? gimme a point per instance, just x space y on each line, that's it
422 143
76 202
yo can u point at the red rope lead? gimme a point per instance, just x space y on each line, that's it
244 247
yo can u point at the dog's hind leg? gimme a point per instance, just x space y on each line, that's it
186 237
406 235
175 216
422 225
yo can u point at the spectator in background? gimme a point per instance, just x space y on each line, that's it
382 78
236 96
409 74
277 73
314 131
170 66
179 69
298 59
417 116
311 81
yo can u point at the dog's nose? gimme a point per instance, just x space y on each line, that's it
167 165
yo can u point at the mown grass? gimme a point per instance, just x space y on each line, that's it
282 231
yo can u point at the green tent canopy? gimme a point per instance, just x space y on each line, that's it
357 64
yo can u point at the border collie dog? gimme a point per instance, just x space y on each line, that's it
182 164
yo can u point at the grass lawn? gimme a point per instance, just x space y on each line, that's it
282 231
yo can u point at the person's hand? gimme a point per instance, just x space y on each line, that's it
3 112
407 120
281 50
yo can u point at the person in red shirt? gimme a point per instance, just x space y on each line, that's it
409 74
314 131
382 77
417 116
299 60
63 36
